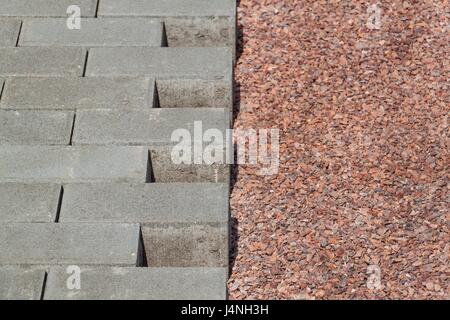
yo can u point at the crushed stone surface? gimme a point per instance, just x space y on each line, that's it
359 206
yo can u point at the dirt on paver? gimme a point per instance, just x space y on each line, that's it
359 206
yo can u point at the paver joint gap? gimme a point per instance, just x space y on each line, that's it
60 200
150 173
44 284
85 63
2 88
96 8
20 31
73 128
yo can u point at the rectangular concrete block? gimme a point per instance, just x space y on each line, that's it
185 245
21 283
93 33
165 170
9 32
73 164
145 203
182 93
63 244
182 224
208 31
27 127
29 202
157 8
197 63
116 283
45 8
78 93
31 61
154 126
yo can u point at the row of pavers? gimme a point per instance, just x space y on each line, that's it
102 163
91 220
99 127
117 283
197 63
119 92
185 23
83 134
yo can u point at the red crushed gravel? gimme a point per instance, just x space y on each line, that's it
364 151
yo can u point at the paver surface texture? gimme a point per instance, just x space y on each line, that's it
90 185
364 154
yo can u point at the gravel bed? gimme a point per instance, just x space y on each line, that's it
359 207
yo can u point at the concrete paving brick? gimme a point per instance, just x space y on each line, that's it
140 284
9 32
78 93
145 127
27 127
21 283
29 202
197 63
63 244
157 8
201 32
31 61
182 224
145 203
186 245
179 93
93 33
45 8
164 170
73 164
